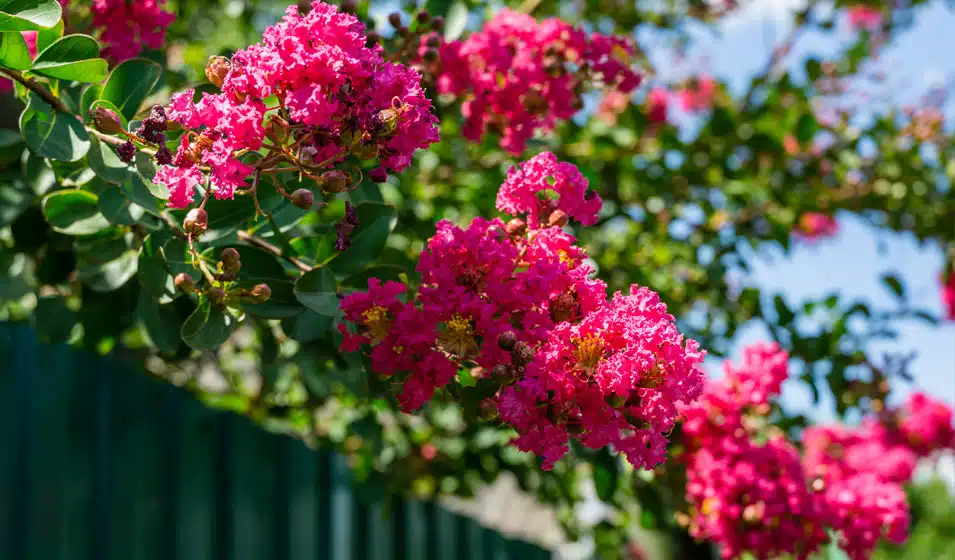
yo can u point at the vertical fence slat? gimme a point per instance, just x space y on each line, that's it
301 472
253 484
79 514
17 351
341 514
195 494
445 534
47 455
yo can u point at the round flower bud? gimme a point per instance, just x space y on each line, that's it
106 120
196 222
303 198
507 340
437 23
217 69
430 55
378 175
516 227
349 6
334 181
230 264
216 295
394 19
434 41
230 255
424 17
558 218
522 354
500 372
261 293
184 283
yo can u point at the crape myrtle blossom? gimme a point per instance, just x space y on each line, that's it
517 305
336 96
517 75
814 226
127 27
750 490
864 17
948 293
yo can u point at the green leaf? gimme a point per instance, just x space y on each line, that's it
282 304
894 284
382 272
52 134
208 326
74 212
606 473
88 97
46 37
13 52
456 22
54 321
162 323
118 209
368 240
15 197
72 58
317 290
105 163
137 191
307 326
110 276
130 83
27 15
146 169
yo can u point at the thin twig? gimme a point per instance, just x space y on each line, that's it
265 245
34 86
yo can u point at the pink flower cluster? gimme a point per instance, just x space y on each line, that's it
864 17
342 98
764 498
813 226
519 76
746 495
517 305
697 95
128 27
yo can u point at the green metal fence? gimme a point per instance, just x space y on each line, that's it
98 462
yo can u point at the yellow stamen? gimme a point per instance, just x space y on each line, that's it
377 321
589 352
458 335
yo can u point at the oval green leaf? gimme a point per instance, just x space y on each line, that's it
74 58
208 326
27 15
317 290
74 212
129 84
13 52
52 134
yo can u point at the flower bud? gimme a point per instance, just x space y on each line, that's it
261 293
230 255
378 174
424 17
184 283
488 411
516 227
433 42
334 181
437 23
507 340
303 198
558 218
388 120
229 264
227 277
106 120
522 354
215 295
394 19
430 55
196 222
500 372
404 31
349 7
217 69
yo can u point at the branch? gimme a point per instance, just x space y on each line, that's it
265 245
35 87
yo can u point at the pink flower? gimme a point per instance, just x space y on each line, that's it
181 182
613 104
521 76
657 104
926 424
128 27
520 192
698 94
814 226
948 294
864 17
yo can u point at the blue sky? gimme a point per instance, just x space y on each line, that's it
852 263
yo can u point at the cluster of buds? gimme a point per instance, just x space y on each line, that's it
220 285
